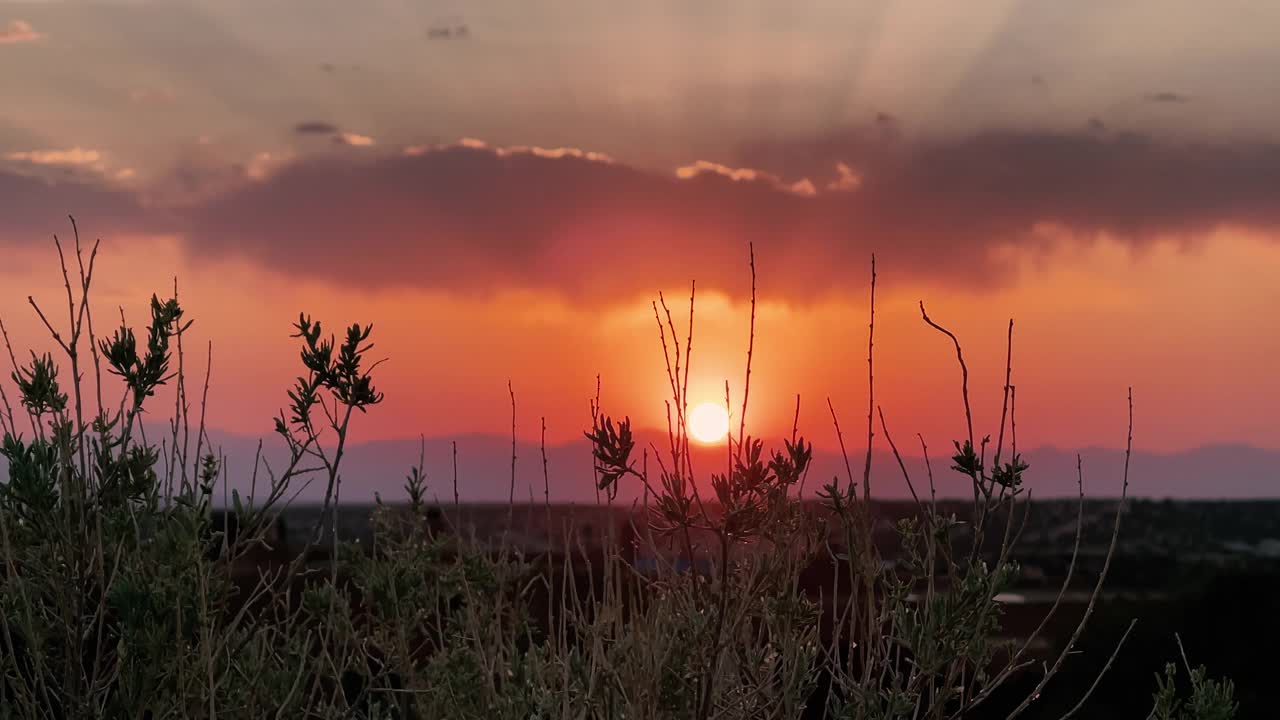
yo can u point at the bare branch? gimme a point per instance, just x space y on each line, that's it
871 385
56 335
902 465
1096 681
964 369
511 496
751 344
840 436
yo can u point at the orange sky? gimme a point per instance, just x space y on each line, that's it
1181 325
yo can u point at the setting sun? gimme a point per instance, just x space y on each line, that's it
708 423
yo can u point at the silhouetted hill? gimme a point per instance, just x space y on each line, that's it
484 470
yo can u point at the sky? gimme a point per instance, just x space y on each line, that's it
503 188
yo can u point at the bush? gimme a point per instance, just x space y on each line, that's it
120 595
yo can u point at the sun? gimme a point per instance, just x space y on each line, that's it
709 423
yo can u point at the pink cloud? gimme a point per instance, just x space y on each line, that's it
511 150
846 179
84 159
70 156
262 164
353 139
803 187
18 31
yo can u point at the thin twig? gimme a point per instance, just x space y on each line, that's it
13 362
840 436
964 369
511 496
901 465
1097 680
457 517
751 344
871 385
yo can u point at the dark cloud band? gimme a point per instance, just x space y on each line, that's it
467 217
472 218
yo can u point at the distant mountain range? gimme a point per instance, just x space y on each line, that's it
484 470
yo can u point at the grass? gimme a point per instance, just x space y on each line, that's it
119 595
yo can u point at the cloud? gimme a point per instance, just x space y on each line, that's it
352 139
336 134
803 187
18 31
262 164
36 207
846 179
509 150
703 166
1166 97
456 31
470 217
204 169
886 128
70 156
314 127
72 161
